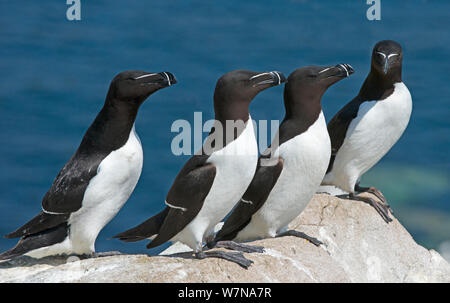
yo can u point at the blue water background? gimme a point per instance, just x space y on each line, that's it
55 74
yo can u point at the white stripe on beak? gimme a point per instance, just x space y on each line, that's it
144 76
278 76
168 79
346 70
259 75
322 71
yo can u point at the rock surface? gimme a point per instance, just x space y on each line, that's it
358 247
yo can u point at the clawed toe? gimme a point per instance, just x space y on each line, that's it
240 247
374 191
383 209
380 207
299 234
377 194
315 241
384 204
235 257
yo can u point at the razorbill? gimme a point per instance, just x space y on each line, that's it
285 182
99 178
365 129
210 183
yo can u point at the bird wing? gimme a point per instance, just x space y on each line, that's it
144 230
253 199
338 126
64 196
44 238
186 197
39 223
67 191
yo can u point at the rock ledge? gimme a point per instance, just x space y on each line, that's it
358 247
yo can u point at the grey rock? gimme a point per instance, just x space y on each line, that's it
358 247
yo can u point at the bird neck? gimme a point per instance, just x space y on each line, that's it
111 128
230 110
378 86
302 105
231 118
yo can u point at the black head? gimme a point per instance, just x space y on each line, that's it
387 58
244 85
134 87
235 90
302 97
310 82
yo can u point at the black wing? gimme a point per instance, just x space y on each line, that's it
338 126
144 230
64 196
44 238
186 197
38 224
67 191
253 199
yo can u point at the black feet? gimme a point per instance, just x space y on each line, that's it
299 234
380 207
235 257
375 192
106 254
96 255
231 245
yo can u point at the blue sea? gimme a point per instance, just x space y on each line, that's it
55 74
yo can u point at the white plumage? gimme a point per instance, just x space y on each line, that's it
377 127
117 176
306 158
235 167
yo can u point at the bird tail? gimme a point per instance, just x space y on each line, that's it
31 242
144 230
41 222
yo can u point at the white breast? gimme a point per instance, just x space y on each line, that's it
235 167
117 176
306 158
371 135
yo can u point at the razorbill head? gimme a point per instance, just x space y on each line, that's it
98 179
212 180
365 129
284 184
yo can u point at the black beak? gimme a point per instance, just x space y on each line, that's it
344 70
163 79
337 71
274 78
278 77
386 61
168 78
333 74
386 66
